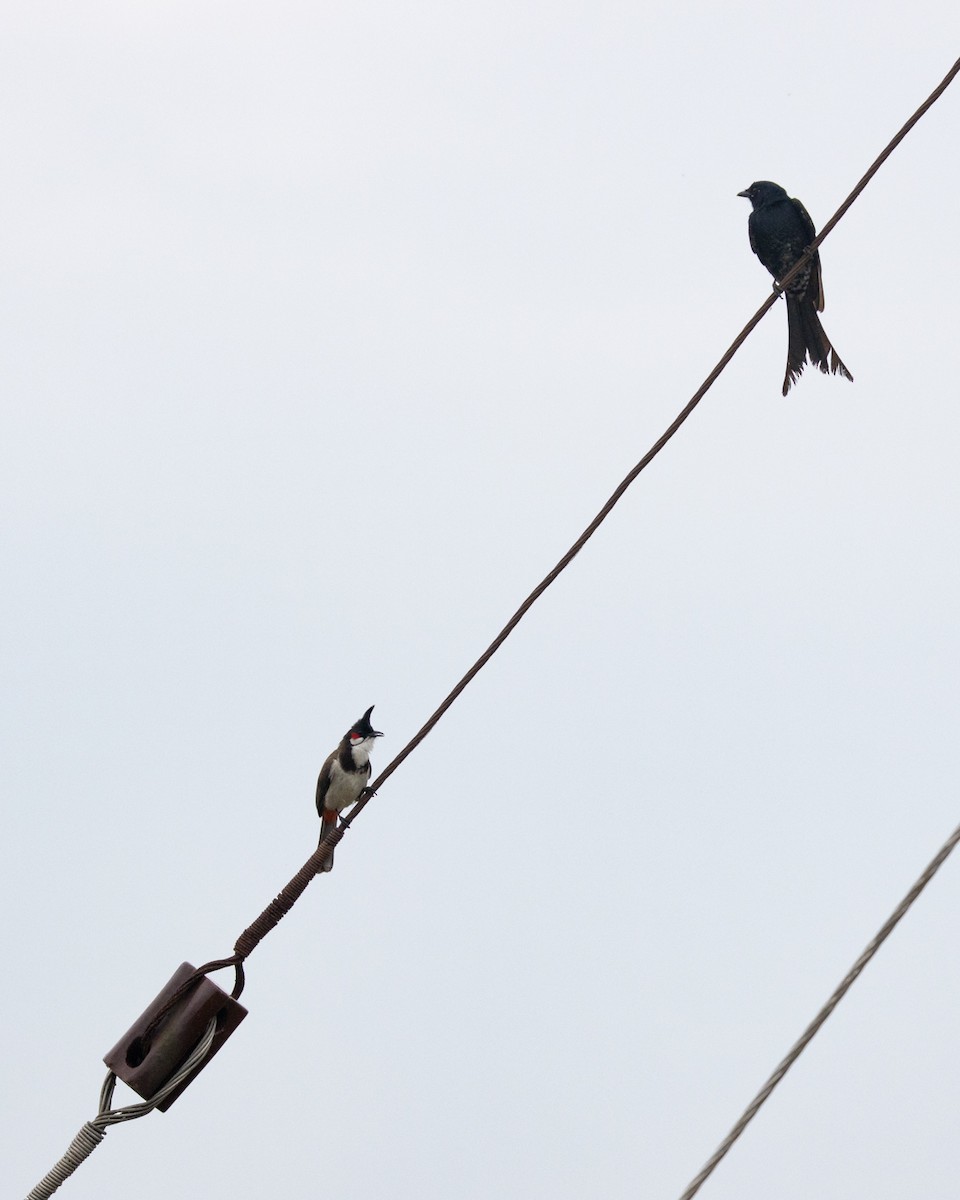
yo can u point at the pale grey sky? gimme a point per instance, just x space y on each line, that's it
326 329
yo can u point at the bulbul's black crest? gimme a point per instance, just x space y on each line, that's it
363 728
780 230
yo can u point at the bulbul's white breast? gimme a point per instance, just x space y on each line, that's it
345 786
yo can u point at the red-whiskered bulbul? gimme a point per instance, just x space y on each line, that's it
344 775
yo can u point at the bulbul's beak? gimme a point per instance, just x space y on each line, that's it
376 733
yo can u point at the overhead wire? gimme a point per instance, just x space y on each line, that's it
291 892
807 1036
285 899
664 438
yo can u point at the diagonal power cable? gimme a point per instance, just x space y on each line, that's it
659 444
807 1036
285 900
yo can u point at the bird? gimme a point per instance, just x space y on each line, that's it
343 776
780 230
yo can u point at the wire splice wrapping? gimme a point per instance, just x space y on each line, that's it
82 1146
93 1132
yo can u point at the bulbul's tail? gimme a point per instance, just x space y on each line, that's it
806 336
328 821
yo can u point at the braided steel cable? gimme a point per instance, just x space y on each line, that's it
93 1132
807 1036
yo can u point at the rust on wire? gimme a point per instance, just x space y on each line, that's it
278 908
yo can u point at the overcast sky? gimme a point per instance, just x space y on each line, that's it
326 330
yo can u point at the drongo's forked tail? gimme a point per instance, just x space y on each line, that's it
808 339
